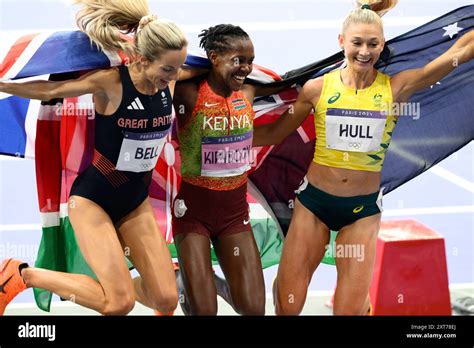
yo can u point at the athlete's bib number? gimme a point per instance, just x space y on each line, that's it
140 151
227 155
354 130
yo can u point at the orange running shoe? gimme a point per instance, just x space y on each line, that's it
11 282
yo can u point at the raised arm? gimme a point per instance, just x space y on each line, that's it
275 132
93 82
406 83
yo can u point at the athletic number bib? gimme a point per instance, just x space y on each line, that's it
140 151
226 155
354 130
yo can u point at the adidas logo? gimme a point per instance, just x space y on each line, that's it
136 105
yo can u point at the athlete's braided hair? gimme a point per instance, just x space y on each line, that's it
218 38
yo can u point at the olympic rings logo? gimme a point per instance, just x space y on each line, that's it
355 145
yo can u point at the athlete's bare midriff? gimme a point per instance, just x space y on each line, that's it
343 182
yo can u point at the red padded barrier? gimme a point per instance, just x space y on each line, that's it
410 274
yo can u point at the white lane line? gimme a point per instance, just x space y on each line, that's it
10 158
429 211
437 169
19 227
453 178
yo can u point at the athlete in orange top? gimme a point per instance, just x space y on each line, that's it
215 130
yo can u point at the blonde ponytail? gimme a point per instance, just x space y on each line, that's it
106 22
369 12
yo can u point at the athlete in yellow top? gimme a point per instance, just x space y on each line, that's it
353 129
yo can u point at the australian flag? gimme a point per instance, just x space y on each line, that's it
443 124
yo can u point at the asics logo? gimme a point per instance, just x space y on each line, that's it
207 105
334 98
358 209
